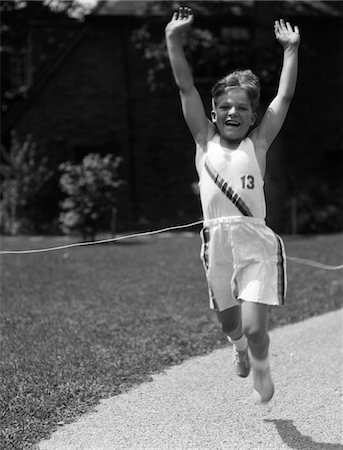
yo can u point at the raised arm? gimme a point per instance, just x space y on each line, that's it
192 106
278 108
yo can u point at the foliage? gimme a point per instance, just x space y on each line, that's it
320 209
77 9
91 189
202 46
213 49
24 174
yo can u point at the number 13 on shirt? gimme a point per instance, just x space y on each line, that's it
248 182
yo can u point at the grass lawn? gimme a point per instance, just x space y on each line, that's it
90 322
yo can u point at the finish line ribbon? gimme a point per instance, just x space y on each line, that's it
307 262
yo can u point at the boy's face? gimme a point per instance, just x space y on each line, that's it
233 115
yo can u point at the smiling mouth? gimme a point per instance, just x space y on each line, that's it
232 123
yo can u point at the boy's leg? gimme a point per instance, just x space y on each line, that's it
254 325
231 323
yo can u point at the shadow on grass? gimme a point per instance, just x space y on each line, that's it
294 439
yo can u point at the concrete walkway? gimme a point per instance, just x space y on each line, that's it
201 404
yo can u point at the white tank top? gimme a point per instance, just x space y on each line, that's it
240 187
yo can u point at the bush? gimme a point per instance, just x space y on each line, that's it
24 175
320 210
91 189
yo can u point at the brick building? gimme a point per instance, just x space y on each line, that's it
88 92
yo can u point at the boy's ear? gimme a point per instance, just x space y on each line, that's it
213 112
254 117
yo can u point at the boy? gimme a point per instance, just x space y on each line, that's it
243 258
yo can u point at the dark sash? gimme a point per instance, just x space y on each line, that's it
227 190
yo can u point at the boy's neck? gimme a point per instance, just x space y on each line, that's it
230 144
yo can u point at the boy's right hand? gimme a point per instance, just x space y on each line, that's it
180 22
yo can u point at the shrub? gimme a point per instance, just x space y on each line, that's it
24 175
320 210
90 189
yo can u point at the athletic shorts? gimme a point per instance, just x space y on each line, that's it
244 260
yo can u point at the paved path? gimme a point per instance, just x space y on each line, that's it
201 404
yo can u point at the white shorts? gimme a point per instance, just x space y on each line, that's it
244 260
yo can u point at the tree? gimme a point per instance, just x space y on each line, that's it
24 175
76 9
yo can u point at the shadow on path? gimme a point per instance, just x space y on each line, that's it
294 439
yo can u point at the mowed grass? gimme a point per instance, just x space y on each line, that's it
86 323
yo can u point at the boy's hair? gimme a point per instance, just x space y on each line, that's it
245 79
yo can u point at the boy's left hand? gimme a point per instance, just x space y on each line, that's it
285 34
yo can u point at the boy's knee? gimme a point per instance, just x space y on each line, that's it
230 321
255 332
231 329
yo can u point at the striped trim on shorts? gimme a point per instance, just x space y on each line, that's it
281 269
